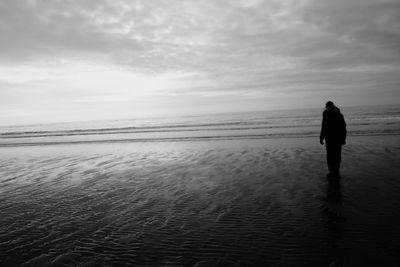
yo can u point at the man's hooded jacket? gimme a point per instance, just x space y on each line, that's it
333 126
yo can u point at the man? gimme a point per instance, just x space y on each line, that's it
333 131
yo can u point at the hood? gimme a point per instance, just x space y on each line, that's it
335 110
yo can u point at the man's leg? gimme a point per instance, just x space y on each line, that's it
339 159
330 157
336 159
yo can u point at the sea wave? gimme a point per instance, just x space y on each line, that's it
251 125
195 138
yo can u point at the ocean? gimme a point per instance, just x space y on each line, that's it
361 121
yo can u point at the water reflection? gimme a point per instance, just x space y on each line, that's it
334 220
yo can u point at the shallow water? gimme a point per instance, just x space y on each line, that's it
232 203
362 121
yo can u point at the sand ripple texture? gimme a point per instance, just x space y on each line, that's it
233 203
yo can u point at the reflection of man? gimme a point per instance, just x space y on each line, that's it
333 130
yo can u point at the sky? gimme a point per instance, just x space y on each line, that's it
75 60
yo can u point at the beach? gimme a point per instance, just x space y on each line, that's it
199 133
240 202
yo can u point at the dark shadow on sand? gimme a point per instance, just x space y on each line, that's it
334 221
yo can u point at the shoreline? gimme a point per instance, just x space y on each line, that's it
187 139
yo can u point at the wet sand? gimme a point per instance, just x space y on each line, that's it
203 203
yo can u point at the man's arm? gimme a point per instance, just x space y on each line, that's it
344 130
322 135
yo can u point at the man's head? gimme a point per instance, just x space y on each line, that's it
329 104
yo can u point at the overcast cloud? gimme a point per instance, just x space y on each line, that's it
71 60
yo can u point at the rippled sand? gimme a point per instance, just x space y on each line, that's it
211 203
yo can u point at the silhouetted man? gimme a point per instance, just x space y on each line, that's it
333 130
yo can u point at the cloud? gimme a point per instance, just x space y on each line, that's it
361 32
55 51
208 35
